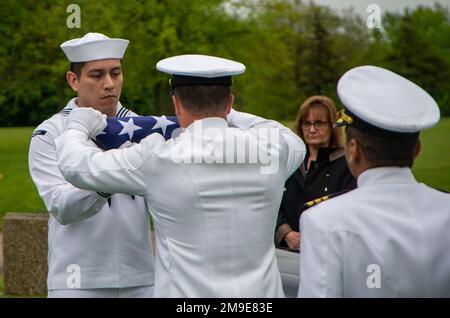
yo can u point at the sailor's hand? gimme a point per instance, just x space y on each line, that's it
88 120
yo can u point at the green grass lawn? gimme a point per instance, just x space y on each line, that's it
433 164
17 191
18 194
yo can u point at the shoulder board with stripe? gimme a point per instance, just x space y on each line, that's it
321 199
65 111
123 112
316 201
104 194
38 132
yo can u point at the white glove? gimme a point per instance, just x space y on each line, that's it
127 144
87 120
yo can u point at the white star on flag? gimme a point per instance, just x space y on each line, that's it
162 122
128 127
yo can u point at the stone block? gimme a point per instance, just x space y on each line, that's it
25 253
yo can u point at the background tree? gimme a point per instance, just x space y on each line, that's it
418 47
292 49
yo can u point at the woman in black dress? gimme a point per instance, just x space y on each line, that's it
324 170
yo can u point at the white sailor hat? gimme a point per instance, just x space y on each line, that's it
382 102
194 69
94 46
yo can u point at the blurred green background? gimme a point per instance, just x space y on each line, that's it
292 49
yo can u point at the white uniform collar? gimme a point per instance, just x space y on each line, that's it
386 175
210 122
72 104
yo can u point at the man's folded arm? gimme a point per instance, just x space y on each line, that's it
65 202
113 171
295 147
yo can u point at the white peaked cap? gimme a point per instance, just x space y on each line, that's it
387 100
200 66
94 46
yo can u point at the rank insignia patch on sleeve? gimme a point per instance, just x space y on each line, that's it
38 132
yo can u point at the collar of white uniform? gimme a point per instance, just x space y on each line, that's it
205 123
73 104
386 175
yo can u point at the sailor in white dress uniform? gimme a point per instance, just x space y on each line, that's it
389 237
214 215
99 245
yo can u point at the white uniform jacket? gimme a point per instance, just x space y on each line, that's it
92 243
214 222
390 237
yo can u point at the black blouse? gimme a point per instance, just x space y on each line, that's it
328 174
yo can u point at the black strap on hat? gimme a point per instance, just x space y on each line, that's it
183 80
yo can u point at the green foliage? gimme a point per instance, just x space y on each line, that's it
292 49
419 47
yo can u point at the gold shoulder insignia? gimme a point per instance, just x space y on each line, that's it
316 201
311 203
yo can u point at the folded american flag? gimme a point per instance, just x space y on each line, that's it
122 129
